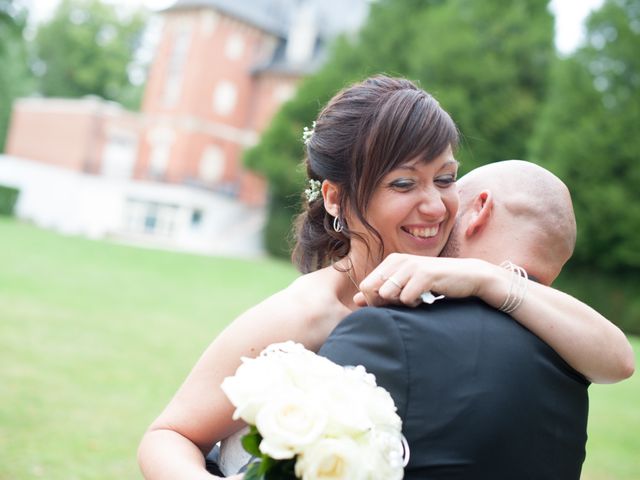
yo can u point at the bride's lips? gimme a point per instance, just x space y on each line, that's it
422 232
423 235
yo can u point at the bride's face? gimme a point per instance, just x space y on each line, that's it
413 209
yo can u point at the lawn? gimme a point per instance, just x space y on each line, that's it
95 338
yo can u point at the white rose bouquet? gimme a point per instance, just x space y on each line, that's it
312 419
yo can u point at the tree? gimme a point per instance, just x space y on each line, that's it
487 63
14 75
588 135
12 20
86 49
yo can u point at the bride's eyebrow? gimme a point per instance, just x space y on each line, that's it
409 165
448 163
406 166
412 165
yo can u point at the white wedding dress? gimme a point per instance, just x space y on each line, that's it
232 455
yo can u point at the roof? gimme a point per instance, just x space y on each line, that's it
269 15
275 16
279 64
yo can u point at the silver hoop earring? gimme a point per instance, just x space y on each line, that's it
337 225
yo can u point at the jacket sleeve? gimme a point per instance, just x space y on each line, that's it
370 337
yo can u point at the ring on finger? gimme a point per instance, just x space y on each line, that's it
394 281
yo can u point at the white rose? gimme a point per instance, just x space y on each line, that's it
289 423
355 403
360 374
376 401
287 347
308 370
381 409
386 454
255 383
333 459
345 405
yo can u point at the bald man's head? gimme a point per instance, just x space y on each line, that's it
518 211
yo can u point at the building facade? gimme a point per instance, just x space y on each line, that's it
221 71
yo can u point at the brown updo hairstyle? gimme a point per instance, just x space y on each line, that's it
364 132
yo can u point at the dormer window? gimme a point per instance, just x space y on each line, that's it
303 35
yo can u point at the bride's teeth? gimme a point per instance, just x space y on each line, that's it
423 232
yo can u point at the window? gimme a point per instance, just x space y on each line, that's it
151 218
208 22
160 140
234 47
224 97
196 219
119 154
283 92
212 164
175 65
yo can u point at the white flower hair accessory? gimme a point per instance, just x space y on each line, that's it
313 191
308 132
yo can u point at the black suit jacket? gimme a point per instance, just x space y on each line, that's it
480 396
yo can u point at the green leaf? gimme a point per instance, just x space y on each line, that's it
254 472
266 464
282 470
251 442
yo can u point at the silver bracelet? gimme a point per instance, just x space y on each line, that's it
517 287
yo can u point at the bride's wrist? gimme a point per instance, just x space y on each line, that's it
494 286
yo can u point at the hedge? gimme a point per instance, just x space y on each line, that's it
8 199
615 295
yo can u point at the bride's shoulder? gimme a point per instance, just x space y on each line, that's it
310 292
309 298
301 312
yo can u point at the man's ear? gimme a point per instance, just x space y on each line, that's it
481 210
331 197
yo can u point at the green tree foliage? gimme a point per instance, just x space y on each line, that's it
487 63
14 72
86 48
589 135
11 21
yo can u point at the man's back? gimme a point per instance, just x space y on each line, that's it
479 395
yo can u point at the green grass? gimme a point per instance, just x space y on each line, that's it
613 447
95 338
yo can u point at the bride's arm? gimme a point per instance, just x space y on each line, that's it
199 415
581 336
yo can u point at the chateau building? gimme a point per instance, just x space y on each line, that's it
172 174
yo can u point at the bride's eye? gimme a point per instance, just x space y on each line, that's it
402 184
445 180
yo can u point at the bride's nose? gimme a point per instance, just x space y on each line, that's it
431 204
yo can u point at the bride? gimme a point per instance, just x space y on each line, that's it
382 180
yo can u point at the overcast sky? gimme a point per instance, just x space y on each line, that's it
569 15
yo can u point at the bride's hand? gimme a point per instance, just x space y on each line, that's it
402 278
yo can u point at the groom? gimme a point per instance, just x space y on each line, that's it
480 396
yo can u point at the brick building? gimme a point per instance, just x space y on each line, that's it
221 70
